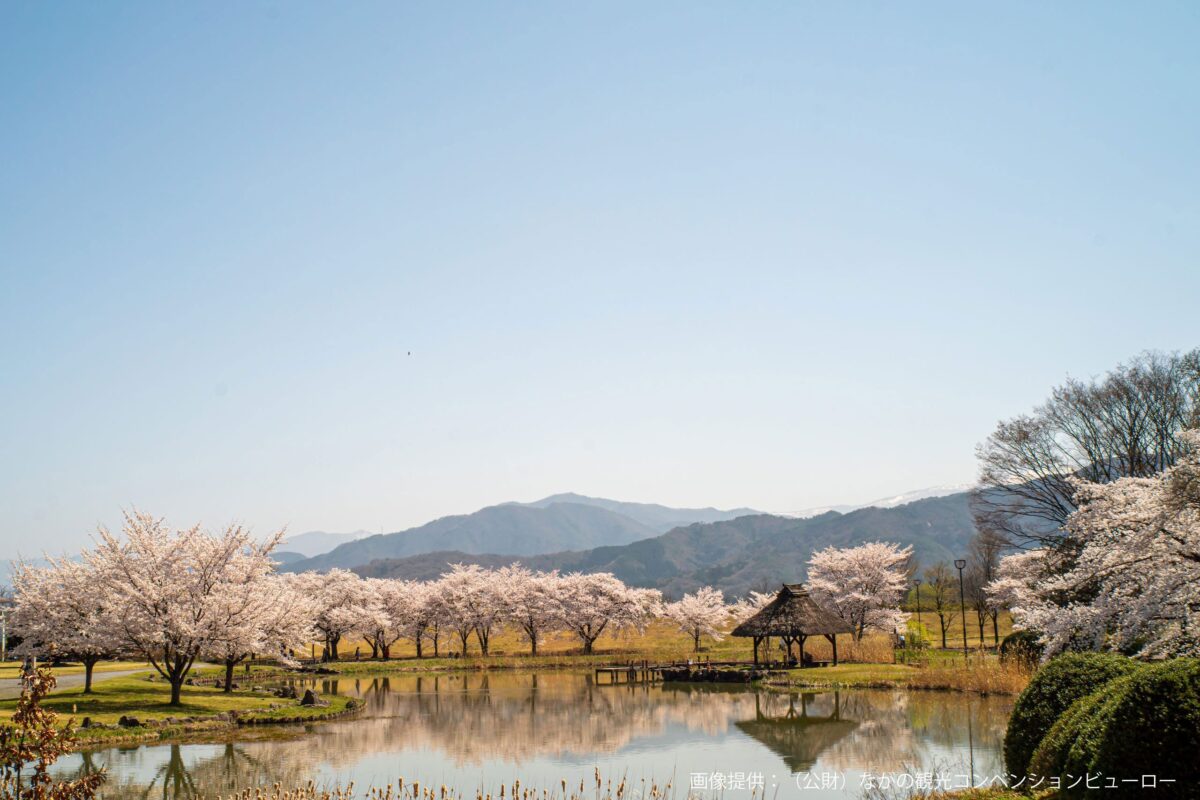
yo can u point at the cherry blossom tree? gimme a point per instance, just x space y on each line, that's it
389 608
373 623
471 602
1018 577
531 601
592 603
167 588
700 614
863 585
59 613
258 613
424 621
1134 585
337 605
449 610
751 604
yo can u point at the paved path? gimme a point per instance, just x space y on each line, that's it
11 687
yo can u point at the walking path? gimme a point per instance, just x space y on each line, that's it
11 687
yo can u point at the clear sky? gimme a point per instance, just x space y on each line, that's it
776 255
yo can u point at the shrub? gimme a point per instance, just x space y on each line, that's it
1021 646
1053 689
1052 753
916 635
1145 724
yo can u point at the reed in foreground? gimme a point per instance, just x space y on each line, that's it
599 788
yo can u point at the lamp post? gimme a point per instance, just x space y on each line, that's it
917 584
962 602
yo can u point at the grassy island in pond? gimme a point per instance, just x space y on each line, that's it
146 702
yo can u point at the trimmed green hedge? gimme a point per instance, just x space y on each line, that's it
1053 690
1053 753
1147 725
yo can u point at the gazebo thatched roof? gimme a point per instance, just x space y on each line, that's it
792 613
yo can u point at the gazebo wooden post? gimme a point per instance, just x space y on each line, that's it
832 637
802 638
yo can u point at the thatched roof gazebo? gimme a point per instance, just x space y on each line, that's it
793 616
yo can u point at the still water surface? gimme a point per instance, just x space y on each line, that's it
473 730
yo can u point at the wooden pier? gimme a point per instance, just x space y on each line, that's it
643 672
633 672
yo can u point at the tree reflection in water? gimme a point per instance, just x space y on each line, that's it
560 720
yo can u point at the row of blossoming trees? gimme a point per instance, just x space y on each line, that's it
175 597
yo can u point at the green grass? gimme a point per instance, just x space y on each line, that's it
149 701
984 674
144 699
853 675
239 672
954 631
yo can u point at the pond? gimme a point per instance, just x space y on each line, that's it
472 730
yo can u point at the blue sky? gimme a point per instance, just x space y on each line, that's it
778 255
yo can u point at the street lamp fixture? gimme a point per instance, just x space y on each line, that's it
961 564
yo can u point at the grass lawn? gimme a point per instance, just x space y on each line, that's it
853 675
141 698
148 701
954 631
239 672
984 674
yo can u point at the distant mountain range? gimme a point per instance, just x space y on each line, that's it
883 502
652 515
552 524
314 543
737 555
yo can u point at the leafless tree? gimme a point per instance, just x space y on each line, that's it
1122 424
977 599
986 549
942 589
